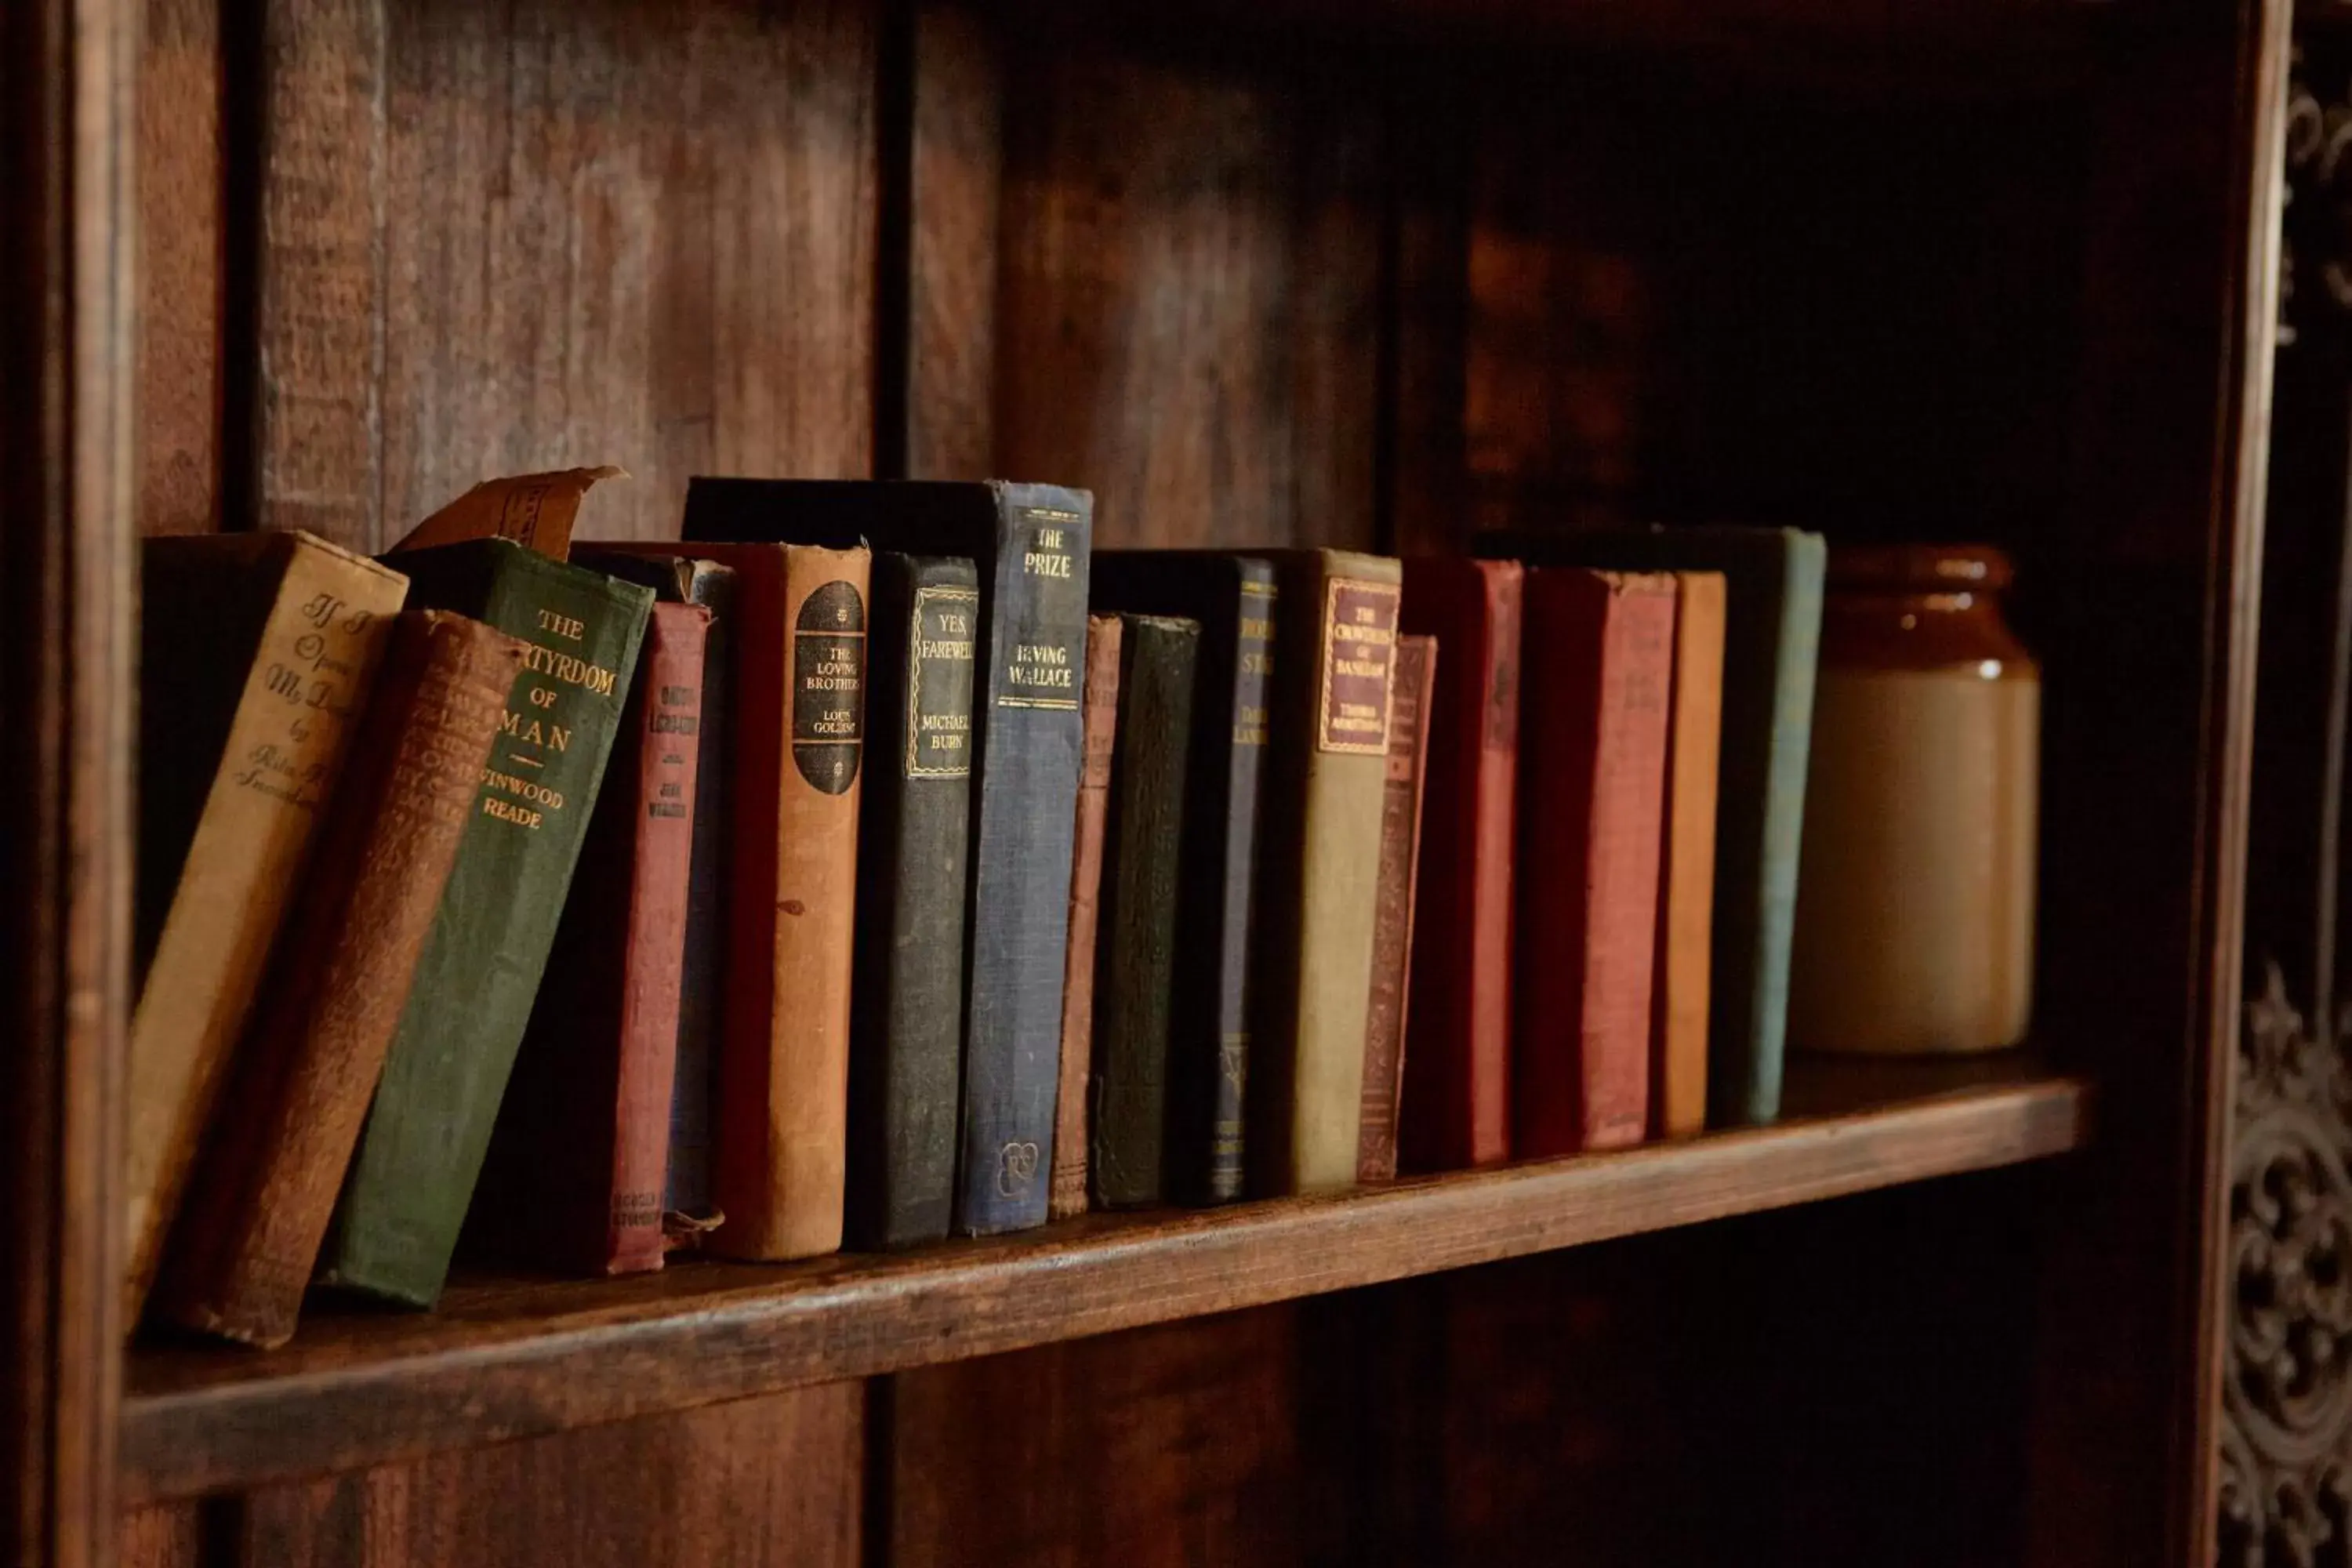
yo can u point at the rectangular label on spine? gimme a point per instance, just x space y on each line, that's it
1042 669
1360 621
939 694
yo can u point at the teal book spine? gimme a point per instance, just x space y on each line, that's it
1772 622
406 1195
1795 658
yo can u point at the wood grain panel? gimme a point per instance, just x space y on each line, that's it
1695 300
1188 299
1836 1388
313 386
1424 477
647 239
1161 1448
171 1535
764 1483
180 267
1561 279
953 171
512 237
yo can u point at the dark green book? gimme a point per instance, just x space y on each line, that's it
1135 952
1232 597
906 1031
1772 624
409 1183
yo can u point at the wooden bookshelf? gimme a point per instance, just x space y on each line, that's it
1259 272
502 1360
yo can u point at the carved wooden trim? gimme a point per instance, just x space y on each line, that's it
2286 1446
2315 267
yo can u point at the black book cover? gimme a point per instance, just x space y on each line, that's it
1032 547
906 1038
1233 599
1143 845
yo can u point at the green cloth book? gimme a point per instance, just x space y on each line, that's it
406 1195
1772 628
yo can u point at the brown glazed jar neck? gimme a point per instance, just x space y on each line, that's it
1919 607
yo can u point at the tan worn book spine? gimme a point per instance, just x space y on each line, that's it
1687 877
1319 878
783 1089
310 676
1384 1025
1068 1193
266 1186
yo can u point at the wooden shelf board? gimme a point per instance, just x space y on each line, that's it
504 1360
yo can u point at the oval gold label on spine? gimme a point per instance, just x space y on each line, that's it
829 686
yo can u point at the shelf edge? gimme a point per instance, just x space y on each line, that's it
763 1331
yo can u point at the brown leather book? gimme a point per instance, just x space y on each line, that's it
1456 1109
262 648
1598 663
784 1058
1068 1194
574 1175
266 1183
1678 1010
1384 1021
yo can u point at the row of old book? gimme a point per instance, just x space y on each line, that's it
882 862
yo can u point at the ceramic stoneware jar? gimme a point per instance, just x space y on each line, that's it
1914 891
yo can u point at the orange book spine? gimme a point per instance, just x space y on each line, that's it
1678 1010
783 1071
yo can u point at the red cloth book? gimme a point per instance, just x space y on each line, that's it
1414 677
580 1155
1455 1107
1598 659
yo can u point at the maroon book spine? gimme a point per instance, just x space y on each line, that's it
1598 660
1066 1195
1456 1110
577 1166
1414 672
661 811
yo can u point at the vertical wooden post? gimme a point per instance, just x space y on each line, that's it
2152 620
65 661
